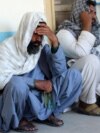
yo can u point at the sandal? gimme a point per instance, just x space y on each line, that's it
98 100
25 125
52 121
92 110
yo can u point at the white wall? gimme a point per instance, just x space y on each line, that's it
98 12
11 12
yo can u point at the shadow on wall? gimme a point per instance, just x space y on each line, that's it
5 35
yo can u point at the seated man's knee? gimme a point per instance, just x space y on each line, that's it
91 57
93 61
17 86
76 75
89 62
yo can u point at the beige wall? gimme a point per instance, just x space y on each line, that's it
50 13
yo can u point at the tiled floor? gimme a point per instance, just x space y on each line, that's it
73 123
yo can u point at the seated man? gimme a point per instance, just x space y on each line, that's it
34 80
79 38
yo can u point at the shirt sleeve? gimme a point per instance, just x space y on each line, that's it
76 48
54 49
55 61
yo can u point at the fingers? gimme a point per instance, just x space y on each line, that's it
43 30
49 86
85 16
86 21
44 85
88 15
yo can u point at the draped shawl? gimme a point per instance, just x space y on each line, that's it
14 58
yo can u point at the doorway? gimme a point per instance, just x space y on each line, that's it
56 11
62 10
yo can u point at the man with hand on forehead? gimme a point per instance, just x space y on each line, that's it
34 79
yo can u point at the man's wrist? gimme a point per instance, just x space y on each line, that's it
55 43
87 28
54 48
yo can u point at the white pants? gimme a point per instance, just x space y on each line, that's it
90 68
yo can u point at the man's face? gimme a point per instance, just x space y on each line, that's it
35 43
92 11
37 39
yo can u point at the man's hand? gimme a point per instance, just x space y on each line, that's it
44 85
86 19
43 29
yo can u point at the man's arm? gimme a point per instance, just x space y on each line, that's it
74 48
55 57
81 46
43 29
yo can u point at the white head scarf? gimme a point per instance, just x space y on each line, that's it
14 59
